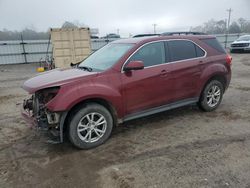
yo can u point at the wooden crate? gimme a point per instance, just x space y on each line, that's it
70 45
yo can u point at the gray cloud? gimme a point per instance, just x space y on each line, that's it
130 16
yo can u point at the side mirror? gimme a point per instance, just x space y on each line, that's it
134 65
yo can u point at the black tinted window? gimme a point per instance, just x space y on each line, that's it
150 54
199 51
213 42
181 49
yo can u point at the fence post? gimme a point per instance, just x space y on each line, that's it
226 40
24 53
107 39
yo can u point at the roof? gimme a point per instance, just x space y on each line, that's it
157 38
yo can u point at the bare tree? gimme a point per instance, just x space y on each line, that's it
219 27
75 24
242 22
234 28
69 25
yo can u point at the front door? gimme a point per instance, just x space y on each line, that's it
151 86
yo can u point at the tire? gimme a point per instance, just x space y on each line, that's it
211 96
84 131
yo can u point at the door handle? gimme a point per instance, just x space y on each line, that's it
164 73
202 62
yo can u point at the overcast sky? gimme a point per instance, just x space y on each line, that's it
129 16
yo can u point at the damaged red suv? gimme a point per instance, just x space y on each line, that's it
127 79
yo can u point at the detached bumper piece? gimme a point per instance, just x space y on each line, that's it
38 117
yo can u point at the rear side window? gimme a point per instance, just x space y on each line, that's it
181 49
150 54
213 42
199 51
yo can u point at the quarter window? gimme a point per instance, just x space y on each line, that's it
213 42
199 51
151 54
181 49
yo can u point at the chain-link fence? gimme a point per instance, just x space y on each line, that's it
29 51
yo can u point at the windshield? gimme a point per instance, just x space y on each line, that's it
105 57
244 38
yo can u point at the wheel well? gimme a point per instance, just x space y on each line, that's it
218 77
81 104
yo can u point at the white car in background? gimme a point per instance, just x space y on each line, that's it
241 44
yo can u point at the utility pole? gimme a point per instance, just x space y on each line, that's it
154 25
229 17
118 31
228 25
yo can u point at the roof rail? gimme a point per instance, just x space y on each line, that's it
182 33
145 35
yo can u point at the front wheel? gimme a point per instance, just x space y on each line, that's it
211 96
90 126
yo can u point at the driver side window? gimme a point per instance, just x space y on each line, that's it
151 54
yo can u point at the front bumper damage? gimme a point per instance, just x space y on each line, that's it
39 117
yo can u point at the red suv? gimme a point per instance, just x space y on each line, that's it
128 79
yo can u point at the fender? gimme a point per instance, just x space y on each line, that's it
69 96
216 69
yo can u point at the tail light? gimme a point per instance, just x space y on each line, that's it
229 60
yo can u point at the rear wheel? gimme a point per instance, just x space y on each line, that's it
90 126
211 96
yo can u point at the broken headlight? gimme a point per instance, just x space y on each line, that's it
46 95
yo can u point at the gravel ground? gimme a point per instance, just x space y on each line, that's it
180 148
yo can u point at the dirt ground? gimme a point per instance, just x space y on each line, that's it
179 148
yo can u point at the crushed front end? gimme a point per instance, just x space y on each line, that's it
39 116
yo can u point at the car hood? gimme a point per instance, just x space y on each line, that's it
241 42
56 77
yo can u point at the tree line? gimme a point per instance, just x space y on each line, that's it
211 27
220 27
27 34
31 34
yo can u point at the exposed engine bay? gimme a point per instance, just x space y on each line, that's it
36 108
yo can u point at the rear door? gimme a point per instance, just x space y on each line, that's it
147 88
185 59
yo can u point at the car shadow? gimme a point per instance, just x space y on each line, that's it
153 119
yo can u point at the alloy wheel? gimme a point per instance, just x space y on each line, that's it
91 127
213 96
